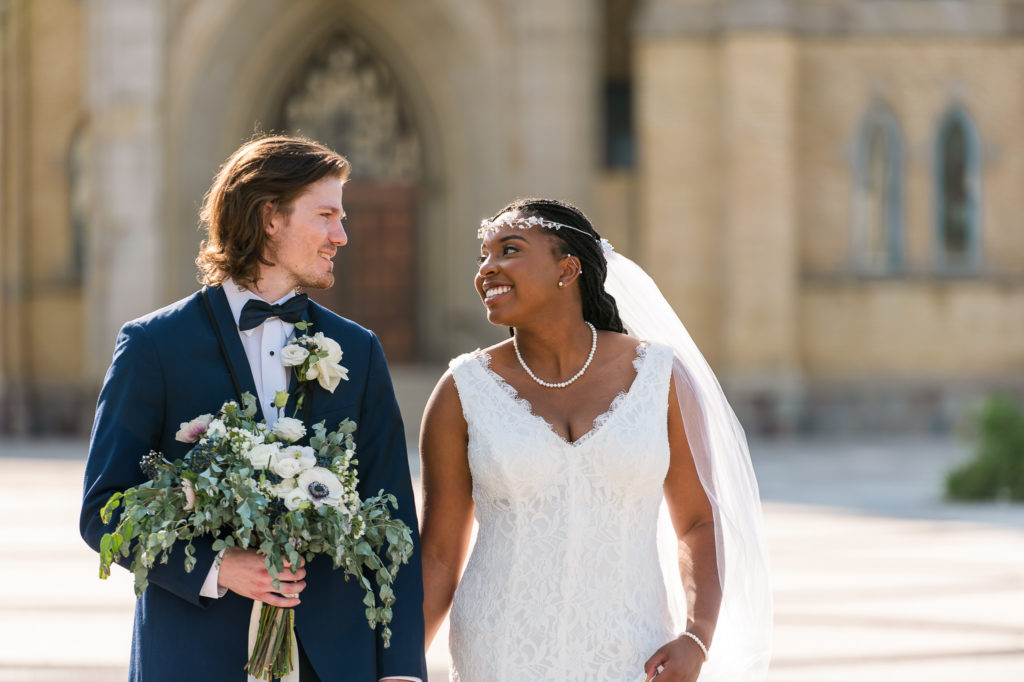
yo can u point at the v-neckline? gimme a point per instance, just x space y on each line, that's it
639 362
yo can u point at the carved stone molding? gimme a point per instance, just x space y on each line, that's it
350 101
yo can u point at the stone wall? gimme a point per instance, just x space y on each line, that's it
747 119
42 311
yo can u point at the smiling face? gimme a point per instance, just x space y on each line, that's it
519 274
303 241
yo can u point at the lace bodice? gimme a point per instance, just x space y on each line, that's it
564 582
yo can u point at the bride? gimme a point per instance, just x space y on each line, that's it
567 442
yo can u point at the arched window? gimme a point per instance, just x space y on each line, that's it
878 193
957 191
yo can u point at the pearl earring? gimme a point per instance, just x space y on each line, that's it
561 284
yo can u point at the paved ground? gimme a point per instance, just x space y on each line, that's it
875 577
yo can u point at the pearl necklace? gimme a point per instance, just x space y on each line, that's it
560 384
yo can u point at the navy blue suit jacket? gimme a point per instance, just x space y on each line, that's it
167 369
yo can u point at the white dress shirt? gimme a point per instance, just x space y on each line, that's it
262 346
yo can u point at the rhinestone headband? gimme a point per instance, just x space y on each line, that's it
489 227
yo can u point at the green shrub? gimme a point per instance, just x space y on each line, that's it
997 469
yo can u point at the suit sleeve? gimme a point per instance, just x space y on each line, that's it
129 422
384 461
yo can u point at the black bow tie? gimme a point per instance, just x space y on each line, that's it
255 311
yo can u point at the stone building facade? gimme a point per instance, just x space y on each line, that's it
825 189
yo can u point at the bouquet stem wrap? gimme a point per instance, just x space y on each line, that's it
273 649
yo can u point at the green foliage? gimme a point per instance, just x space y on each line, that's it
997 469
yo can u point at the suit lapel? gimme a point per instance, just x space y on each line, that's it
293 382
238 363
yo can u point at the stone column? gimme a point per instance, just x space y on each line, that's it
125 91
15 191
554 101
679 189
759 80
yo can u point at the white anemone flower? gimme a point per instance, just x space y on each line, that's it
322 486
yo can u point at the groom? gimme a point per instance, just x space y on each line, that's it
273 220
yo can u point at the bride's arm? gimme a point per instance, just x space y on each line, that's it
447 501
694 525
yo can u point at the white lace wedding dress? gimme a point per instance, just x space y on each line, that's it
564 582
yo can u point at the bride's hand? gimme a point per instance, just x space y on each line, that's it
680 661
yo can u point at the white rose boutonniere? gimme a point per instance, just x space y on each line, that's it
326 369
312 358
292 355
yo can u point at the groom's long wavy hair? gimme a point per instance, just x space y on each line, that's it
599 307
272 168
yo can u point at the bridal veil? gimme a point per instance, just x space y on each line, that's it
742 642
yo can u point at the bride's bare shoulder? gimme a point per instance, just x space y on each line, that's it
619 344
500 347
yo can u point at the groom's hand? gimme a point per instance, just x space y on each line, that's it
243 572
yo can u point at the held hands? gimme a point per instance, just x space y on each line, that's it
243 572
680 661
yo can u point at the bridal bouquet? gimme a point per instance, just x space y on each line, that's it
251 486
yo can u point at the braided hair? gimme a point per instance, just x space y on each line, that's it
599 306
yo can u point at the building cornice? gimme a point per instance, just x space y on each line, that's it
925 18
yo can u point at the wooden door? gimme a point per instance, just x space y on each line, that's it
375 273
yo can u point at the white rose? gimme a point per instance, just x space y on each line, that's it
328 344
283 488
293 355
289 429
216 429
330 374
285 466
261 455
307 457
292 460
294 498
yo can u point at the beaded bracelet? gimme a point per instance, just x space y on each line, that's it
697 641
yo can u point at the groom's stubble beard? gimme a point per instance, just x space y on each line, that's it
322 282
307 281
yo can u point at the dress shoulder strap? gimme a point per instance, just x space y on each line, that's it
471 382
658 364
458 364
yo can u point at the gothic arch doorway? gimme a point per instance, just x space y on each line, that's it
348 99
